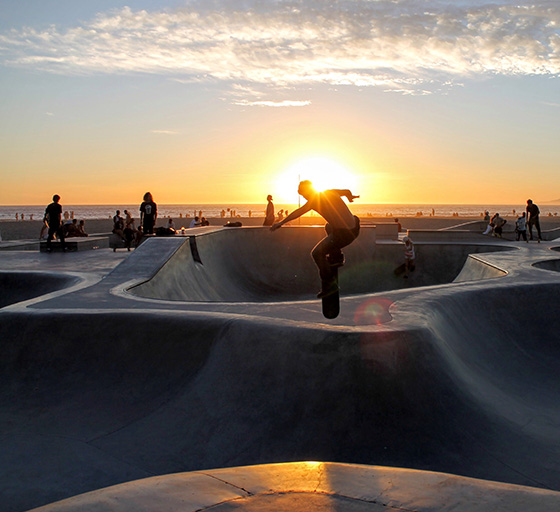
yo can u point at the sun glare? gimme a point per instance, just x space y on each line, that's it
323 172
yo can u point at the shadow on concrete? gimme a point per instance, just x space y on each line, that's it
97 398
19 286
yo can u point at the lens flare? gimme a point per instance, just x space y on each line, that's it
373 312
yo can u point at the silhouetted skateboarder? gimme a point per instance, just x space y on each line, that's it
342 229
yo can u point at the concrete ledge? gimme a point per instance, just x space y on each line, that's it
19 245
474 225
389 230
78 244
448 235
303 486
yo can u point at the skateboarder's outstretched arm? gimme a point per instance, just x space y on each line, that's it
346 193
292 216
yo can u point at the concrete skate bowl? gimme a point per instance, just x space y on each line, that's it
467 383
553 265
253 264
20 286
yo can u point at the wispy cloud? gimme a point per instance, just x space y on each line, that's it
165 132
406 46
268 103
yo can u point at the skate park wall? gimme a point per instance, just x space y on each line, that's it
461 387
254 264
19 286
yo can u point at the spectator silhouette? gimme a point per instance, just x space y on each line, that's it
148 214
533 212
269 215
53 217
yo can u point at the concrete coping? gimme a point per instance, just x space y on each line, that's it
301 486
435 234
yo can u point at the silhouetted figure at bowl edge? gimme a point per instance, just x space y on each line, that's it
148 214
269 215
53 218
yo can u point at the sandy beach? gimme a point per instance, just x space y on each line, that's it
30 229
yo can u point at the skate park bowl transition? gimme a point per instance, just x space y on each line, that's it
463 379
19 286
258 265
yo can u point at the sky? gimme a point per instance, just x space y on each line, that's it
215 101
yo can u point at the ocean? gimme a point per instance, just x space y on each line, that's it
177 211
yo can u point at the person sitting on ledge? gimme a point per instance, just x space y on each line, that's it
82 228
71 229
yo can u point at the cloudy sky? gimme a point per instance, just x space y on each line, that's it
210 101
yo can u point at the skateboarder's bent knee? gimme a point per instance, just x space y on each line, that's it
342 226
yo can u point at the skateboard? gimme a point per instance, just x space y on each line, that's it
331 303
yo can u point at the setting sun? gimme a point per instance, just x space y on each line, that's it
324 172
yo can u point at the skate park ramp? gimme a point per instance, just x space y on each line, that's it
98 389
462 381
19 286
257 265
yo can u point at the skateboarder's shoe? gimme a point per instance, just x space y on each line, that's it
328 290
335 259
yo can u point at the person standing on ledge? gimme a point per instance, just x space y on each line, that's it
342 229
148 214
53 218
269 215
533 212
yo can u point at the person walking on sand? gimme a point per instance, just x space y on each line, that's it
148 214
53 218
533 212
342 229
269 215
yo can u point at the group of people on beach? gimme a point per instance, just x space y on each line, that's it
528 219
53 226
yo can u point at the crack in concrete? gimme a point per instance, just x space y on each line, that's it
249 493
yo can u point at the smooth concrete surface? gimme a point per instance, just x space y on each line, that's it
257 265
99 386
312 486
21 286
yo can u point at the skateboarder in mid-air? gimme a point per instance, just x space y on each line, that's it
342 229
